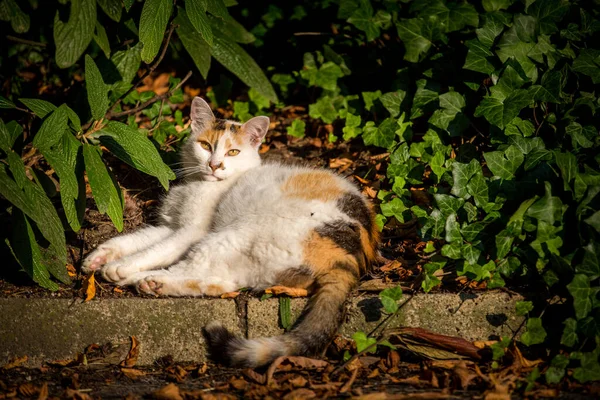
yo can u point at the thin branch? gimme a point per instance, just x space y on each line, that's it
148 71
25 41
153 100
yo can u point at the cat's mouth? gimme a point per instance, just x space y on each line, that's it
212 178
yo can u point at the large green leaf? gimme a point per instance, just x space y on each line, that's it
196 47
10 11
196 12
417 36
236 60
382 135
104 188
27 252
72 38
479 57
52 129
133 146
40 108
97 90
588 63
127 62
153 23
231 28
500 112
582 295
112 8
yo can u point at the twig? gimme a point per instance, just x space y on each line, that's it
153 100
25 41
148 71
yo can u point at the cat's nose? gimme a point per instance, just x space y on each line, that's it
214 166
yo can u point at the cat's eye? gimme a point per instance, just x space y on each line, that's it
205 145
233 152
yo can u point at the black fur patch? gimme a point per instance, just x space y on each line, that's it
354 206
344 234
234 128
218 342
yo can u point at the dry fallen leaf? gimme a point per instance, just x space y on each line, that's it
76 395
300 394
71 270
132 373
133 354
89 287
298 381
237 383
169 392
294 362
43 392
15 362
292 292
369 191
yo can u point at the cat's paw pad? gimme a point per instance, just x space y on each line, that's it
98 258
119 270
149 286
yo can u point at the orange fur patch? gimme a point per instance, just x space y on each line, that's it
314 185
214 290
321 254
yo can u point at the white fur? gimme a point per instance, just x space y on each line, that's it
236 231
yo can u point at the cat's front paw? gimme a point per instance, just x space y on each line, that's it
105 253
120 270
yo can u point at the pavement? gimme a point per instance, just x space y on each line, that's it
55 329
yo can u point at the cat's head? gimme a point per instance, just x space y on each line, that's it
219 148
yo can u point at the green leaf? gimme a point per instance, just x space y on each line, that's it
40 108
452 230
106 191
493 26
556 372
297 128
588 63
535 333
153 23
549 90
34 202
479 57
500 112
285 313
392 101
448 204
101 39
324 109
519 127
590 369
231 28
416 35
567 163
196 12
97 90
478 188
19 21
72 38
6 140
6 103
236 60
217 8
52 129
394 208
362 18
112 8
382 135
504 164
511 46
495 5
196 47
461 15
504 241
569 336
352 128
581 292
594 220
363 342
591 261
133 146
370 97
523 307
128 62
548 208
389 298
581 136
548 13
461 174
27 251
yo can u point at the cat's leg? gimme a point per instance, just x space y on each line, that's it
124 245
218 264
162 254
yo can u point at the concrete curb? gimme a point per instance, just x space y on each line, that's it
54 329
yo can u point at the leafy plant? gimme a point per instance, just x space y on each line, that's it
106 41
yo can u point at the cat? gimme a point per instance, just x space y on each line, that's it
235 223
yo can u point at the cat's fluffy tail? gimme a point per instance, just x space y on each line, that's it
312 331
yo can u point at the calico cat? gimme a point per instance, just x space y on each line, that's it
236 223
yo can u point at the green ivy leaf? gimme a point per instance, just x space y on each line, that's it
504 164
106 191
569 336
153 23
523 307
324 109
72 38
417 36
535 333
389 298
588 63
448 204
363 342
461 174
479 57
581 292
547 13
501 112
392 101
548 208
382 135
297 128
394 208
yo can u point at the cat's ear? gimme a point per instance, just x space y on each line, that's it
256 129
201 115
